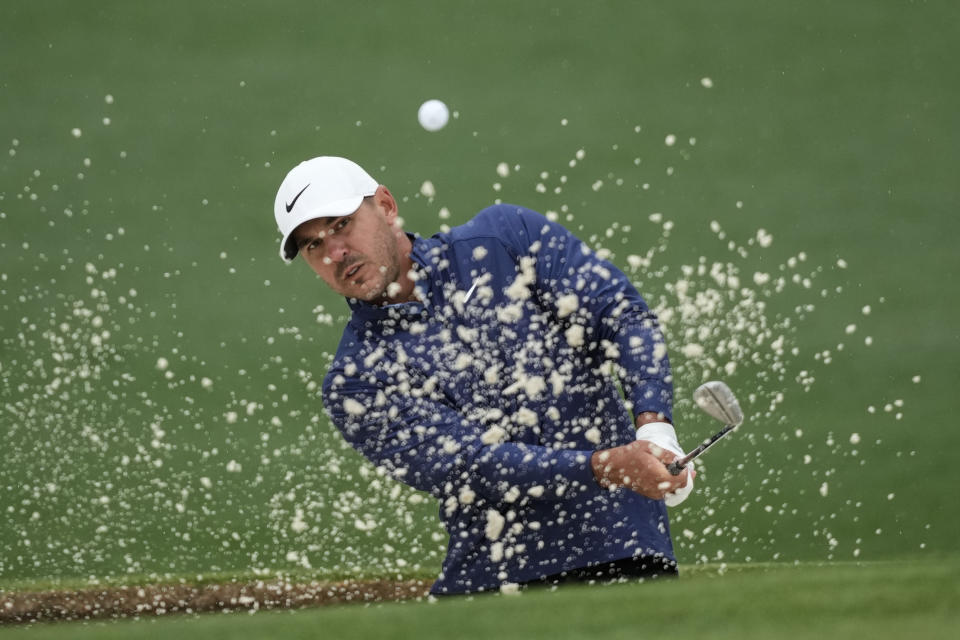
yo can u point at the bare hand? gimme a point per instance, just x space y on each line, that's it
639 466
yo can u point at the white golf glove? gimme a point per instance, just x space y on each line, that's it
664 436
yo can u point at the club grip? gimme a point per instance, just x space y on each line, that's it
675 468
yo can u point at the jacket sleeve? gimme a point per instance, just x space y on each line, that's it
597 299
432 447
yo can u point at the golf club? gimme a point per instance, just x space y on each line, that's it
717 400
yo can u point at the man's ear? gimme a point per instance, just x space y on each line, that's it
385 203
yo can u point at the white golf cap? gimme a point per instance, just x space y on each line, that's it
324 187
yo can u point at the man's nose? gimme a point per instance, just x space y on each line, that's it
336 249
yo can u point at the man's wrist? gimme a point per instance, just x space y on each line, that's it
650 416
600 464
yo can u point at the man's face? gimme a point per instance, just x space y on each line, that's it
356 255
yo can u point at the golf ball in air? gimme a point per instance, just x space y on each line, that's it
433 115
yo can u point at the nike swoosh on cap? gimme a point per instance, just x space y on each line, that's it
295 198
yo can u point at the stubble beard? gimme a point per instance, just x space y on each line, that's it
376 290
387 272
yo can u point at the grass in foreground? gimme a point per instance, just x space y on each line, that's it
882 600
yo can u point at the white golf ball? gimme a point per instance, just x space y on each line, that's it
433 115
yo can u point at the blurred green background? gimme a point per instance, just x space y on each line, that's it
159 363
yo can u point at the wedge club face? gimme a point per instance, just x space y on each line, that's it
717 400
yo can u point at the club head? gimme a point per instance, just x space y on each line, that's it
716 399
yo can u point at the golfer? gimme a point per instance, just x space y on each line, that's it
484 365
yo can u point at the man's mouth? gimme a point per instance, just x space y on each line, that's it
352 271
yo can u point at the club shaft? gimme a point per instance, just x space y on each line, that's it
677 466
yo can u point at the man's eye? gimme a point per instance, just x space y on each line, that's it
313 244
342 223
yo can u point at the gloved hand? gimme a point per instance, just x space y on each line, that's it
664 436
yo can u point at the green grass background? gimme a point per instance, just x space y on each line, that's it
830 125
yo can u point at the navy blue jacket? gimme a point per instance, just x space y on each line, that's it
492 392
